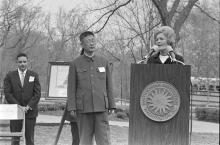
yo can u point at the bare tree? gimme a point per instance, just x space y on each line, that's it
127 26
172 12
62 35
26 24
201 42
133 26
8 14
19 26
138 20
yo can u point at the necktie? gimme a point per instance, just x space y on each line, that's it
22 79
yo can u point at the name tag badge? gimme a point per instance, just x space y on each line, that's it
31 79
101 69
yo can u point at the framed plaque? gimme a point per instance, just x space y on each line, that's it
57 80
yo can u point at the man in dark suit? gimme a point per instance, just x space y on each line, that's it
22 87
90 94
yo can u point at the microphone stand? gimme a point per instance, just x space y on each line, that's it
142 60
146 57
179 62
175 60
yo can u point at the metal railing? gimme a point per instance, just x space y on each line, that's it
199 99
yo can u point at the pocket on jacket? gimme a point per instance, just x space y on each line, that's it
102 75
82 74
79 103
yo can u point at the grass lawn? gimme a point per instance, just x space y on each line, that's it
45 135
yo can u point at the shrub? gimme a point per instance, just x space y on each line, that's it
51 106
118 110
127 112
121 115
207 114
122 112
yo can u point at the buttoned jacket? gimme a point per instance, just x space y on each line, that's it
90 85
28 94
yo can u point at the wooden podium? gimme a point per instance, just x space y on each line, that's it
12 112
144 130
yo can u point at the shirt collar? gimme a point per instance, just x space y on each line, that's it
88 55
89 58
158 58
20 72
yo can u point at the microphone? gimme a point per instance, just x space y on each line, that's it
171 53
150 53
152 50
172 56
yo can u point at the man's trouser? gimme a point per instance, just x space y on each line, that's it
75 133
16 126
94 124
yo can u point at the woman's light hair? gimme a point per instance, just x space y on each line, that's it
168 33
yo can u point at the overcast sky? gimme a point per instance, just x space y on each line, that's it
53 5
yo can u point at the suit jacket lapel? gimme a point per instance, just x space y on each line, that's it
17 78
157 58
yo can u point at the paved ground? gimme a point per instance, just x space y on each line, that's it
197 126
202 131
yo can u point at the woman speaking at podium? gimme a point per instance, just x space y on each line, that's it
162 52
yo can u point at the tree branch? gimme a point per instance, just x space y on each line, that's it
182 17
207 14
109 13
18 41
32 44
161 6
108 6
173 9
117 58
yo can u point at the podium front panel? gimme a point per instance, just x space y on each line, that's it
145 131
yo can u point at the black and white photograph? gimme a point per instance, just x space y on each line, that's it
109 72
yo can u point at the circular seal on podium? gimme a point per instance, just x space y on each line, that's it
160 101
